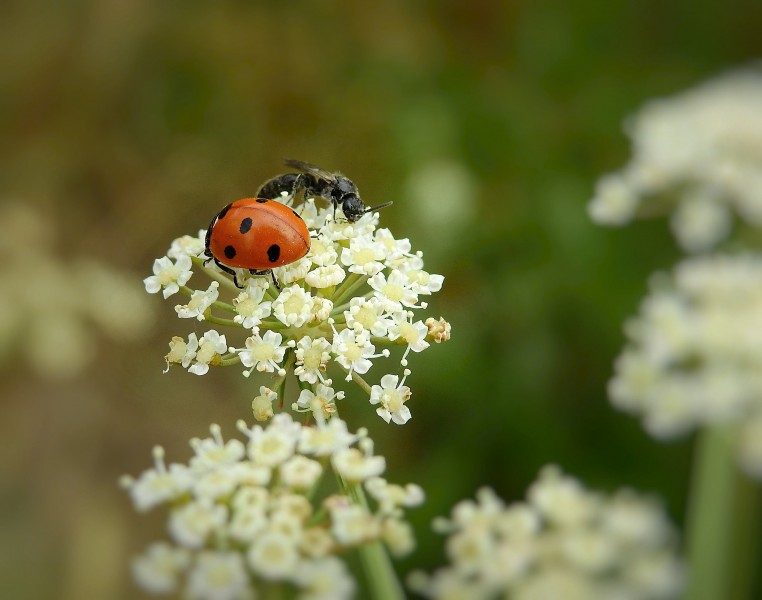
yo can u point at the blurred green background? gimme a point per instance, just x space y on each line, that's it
128 123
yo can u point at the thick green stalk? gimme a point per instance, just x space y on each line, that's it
712 547
380 574
382 579
746 542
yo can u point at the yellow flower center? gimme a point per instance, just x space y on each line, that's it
263 352
168 275
364 255
394 292
353 351
312 359
409 333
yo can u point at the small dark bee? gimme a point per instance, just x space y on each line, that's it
313 181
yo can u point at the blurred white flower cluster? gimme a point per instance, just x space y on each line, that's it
355 294
695 353
696 155
56 330
245 518
563 542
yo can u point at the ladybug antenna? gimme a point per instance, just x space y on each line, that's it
378 207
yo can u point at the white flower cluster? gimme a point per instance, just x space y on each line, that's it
354 295
695 353
563 542
699 152
56 331
243 517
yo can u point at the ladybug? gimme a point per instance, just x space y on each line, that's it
316 182
256 234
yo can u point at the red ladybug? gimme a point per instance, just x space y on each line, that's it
256 234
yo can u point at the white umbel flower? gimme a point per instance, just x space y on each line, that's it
312 356
693 356
326 439
698 150
413 334
391 397
187 245
199 302
324 277
357 289
219 576
322 402
250 307
353 351
159 568
191 524
241 522
353 524
322 253
567 542
357 466
300 472
210 349
293 306
262 405
160 484
273 556
368 314
364 257
325 579
212 453
264 353
168 276
395 291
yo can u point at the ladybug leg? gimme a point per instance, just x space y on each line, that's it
229 271
275 281
269 272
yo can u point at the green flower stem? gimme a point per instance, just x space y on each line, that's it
271 293
714 545
380 574
279 382
348 286
270 324
337 310
225 306
339 291
359 381
229 359
220 321
216 275
746 520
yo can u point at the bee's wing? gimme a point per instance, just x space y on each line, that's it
306 167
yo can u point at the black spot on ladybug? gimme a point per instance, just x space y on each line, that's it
262 200
245 225
224 211
273 252
298 216
230 251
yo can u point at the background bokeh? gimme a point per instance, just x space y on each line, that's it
127 123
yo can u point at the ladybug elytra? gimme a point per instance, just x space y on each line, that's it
256 234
